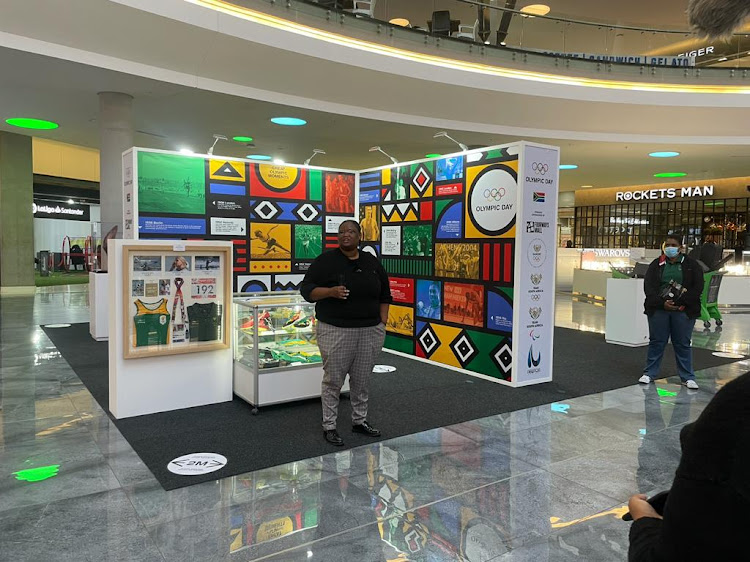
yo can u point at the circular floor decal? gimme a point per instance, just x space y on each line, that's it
197 463
383 369
728 355
57 325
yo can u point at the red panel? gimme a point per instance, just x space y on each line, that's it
486 262
449 189
508 265
420 351
296 190
425 210
496 263
241 260
402 290
240 270
241 251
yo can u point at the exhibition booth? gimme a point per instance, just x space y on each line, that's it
468 242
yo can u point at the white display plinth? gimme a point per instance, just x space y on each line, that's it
591 283
734 290
99 305
626 324
158 384
277 386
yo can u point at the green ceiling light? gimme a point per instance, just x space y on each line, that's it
259 157
568 166
665 154
28 123
670 175
432 155
242 139
37 474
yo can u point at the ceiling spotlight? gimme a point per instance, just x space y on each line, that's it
315 152
186 150
378 149
278 161
217 138
447 136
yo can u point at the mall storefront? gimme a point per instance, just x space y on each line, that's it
642 216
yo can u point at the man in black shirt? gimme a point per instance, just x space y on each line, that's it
352 296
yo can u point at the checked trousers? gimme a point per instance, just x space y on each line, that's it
351 351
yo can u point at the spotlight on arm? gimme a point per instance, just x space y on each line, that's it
447 136
316 151
217 138
378 149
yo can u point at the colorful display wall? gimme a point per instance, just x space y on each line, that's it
278 218
469 248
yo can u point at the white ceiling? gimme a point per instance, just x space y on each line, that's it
174 111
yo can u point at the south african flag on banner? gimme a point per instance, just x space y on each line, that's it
539 196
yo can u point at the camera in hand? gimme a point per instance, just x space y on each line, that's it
673 292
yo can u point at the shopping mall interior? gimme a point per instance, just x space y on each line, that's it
215 147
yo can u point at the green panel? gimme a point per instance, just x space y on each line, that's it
399 344
440 205
316 185
507 290
497 153
429 166
483 363
308 241
171 183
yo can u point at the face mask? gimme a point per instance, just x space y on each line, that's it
671 252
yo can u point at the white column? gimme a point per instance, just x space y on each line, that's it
115 136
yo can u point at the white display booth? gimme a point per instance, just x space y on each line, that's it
625 322
176 378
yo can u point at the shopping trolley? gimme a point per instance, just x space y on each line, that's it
710 298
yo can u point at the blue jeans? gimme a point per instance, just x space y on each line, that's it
662 325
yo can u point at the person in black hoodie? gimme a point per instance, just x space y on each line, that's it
672 318
707 511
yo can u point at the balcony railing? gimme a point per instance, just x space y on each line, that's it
475 31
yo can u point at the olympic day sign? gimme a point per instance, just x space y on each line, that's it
533 302
493 200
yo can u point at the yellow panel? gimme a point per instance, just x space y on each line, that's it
401 320
279 177
270 241
411 216
385 178
471 174
58 159
270 266
227 170
444 353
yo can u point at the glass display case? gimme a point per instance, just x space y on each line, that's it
276 356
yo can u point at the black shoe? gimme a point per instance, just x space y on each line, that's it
333 437
366 428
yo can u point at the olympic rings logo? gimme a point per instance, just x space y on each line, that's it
540 167
495 193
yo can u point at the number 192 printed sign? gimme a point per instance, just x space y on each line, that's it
204 288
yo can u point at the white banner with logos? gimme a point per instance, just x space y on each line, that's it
536 246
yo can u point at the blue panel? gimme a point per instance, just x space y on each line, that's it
170 225
499 312
450 226
226 189
287 211
369 196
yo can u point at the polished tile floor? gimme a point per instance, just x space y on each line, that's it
545 484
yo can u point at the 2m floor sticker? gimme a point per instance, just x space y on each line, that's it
196 464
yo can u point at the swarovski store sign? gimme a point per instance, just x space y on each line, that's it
64 211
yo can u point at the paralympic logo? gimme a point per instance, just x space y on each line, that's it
494 194
533 335
540 167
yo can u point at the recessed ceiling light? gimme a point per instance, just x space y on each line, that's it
670 175
243 139
278 161
289 121
28 123
722 59
186 151
258 157
433 155
665 154
535 9
568 166
587 186
403 22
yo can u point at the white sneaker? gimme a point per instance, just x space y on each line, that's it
691 384
645 379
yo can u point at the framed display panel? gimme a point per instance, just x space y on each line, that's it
176 299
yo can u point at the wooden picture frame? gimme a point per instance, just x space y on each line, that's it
164 279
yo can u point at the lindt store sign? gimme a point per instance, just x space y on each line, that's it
666 193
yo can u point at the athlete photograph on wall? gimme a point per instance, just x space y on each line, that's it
463 304
339 193
171 183
270 241
460 261
207 263
308 241
368 216
417 240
